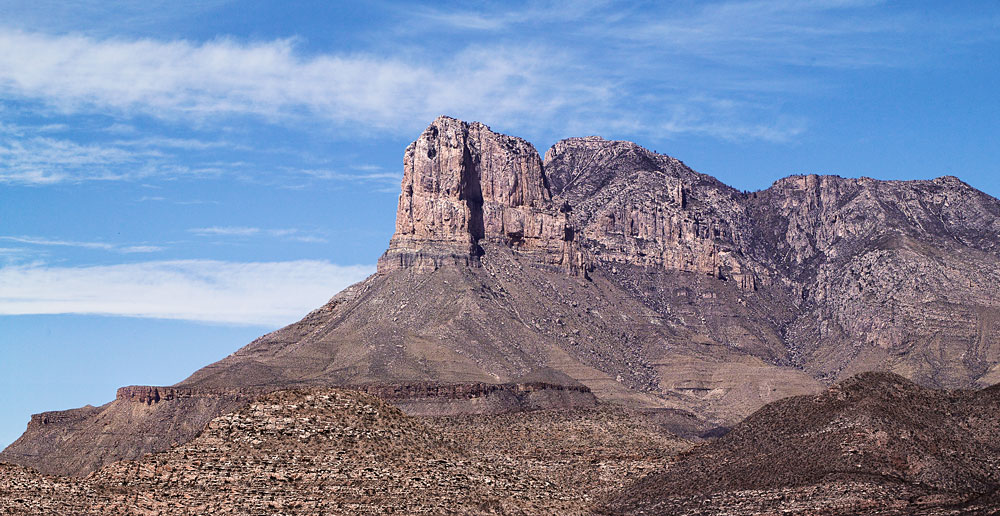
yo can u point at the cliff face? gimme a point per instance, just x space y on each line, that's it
886 275
464 185
623 271
636 207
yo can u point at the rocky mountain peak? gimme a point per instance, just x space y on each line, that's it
465 185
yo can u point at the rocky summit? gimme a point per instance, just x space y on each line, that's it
605 273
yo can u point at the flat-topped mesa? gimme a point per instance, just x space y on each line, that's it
465 185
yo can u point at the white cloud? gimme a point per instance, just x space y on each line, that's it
141 249
530 83
742 33
37 160
61 243
534 13
754 33
179 143
291 234
546 67
225 231
41 160
104 246
180 79
388 178
265 293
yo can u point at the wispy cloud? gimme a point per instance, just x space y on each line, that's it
722 69
290 234
97 17
104 246
533 13
178 143
741 33
754 33
141 249
174 79
266 293
365 177
225 231
536 84
27 158
41 160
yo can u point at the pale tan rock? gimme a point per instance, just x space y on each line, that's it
464 184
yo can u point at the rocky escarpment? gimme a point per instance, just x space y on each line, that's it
826 274
886 275
78 441
635 207
464 185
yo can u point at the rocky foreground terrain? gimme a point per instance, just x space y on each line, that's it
323 451
873 444
604 274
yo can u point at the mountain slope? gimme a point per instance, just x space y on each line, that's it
875 443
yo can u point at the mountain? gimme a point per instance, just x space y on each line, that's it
605 273
874 444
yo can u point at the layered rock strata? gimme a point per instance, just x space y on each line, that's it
464 184
144 419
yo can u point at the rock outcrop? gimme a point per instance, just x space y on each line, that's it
614 268
635 207
463 185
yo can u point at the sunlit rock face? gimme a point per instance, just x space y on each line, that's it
464 184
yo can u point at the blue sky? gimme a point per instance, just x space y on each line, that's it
179 177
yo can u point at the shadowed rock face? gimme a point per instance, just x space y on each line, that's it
610 267
873 444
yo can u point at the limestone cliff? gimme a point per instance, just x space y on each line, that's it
463 185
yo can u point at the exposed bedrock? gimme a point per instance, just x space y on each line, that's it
464 184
